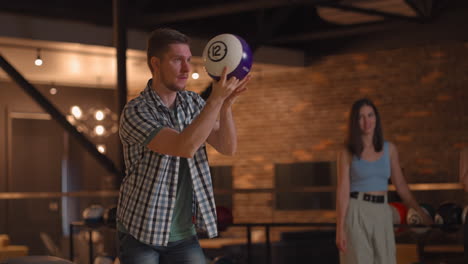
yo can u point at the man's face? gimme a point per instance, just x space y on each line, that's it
174 67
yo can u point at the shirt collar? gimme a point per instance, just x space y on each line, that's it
150 93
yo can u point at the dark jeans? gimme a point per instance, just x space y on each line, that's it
186 251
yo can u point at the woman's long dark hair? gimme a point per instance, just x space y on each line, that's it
354 141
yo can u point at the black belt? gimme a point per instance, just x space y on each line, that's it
369 197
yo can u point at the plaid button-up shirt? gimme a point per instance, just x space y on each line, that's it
148 191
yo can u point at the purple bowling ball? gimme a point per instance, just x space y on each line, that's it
227 50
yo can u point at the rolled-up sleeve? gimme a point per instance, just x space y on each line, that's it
138 125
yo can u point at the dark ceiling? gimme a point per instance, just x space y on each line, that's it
296 24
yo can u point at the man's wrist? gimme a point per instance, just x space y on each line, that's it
226 108
214 102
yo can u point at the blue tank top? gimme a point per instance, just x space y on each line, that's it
368 176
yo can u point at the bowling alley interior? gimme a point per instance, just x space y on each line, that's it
68 68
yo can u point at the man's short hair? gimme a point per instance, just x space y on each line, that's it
159 41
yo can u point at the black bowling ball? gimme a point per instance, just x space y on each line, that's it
449 216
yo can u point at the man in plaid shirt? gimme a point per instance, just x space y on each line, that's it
168 186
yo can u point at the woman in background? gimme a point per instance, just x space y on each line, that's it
364 228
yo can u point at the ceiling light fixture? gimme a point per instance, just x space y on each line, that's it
76 111
99 130
99 115
38 60
195 74
101 148
53 90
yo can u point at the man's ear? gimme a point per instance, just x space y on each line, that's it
155 61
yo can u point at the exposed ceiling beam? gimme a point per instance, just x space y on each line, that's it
369 11
422 7
335 33
427 8
222 9
268 25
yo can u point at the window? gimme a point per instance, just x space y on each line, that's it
222 184
305 186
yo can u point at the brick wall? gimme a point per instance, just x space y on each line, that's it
296 115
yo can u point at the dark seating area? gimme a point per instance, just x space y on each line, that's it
36 260
295 247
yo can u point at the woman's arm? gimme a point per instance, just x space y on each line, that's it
342 197
402 187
